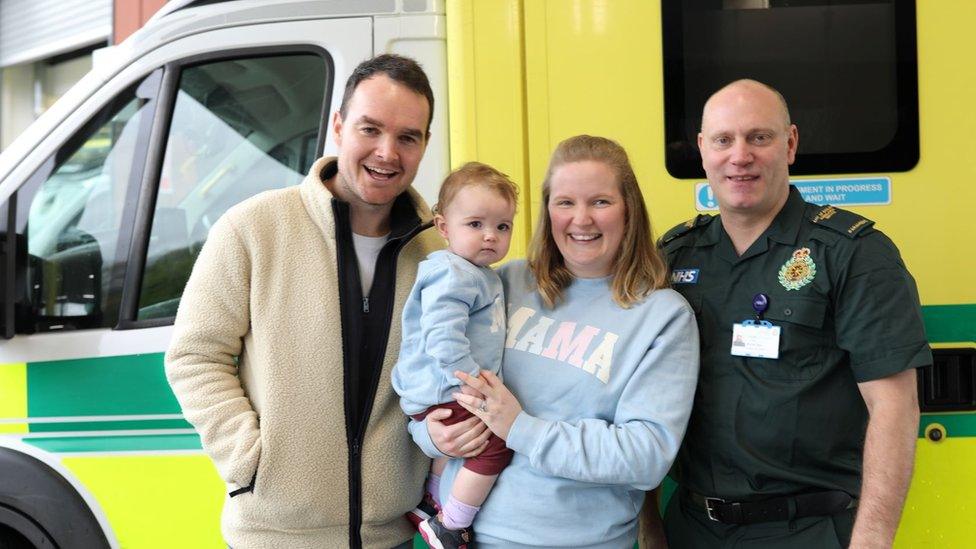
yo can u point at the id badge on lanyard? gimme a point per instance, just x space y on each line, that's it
756 338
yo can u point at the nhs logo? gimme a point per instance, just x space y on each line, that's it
684 276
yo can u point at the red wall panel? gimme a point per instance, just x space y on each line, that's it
130 15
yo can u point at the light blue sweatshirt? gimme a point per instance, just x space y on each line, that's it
454 319
606 395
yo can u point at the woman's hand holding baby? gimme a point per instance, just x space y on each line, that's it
498 407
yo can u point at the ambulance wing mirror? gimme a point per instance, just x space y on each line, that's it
8 266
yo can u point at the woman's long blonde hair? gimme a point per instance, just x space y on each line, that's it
638 268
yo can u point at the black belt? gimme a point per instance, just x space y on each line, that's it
774 509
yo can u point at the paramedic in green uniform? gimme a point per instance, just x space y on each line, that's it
806 415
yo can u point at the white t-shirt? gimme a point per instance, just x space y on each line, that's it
367 250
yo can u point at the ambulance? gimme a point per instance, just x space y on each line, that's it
107 198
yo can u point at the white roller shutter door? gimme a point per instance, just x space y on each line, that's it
36 29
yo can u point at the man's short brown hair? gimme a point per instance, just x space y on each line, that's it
398 68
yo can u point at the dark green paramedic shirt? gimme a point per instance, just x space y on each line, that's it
764 427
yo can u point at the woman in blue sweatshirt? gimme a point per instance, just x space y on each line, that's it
600 364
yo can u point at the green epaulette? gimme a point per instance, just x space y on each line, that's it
700 220
844 222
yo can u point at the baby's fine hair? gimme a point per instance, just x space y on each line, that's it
475 173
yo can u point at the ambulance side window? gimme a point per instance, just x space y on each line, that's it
73 208
239 127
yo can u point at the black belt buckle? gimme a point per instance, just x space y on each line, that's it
710 507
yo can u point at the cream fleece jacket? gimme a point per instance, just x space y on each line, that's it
256 364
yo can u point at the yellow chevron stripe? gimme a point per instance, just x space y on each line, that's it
156 502
13 396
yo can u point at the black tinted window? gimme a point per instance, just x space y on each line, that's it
846 67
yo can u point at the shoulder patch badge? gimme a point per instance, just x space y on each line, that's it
798 271
686 227
844 222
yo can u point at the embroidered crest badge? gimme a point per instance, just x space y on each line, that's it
798 271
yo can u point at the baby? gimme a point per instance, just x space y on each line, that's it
454 319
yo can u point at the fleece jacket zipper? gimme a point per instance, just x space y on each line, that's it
354 319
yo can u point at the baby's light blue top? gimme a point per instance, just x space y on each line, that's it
454 319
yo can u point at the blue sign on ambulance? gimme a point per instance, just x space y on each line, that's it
864 191
861 191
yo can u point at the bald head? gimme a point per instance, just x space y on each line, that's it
748 90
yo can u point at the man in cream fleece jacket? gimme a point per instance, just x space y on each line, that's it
290 324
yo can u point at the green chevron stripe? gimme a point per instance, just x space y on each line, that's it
145 443
119 385
110 425
962 424
950 323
